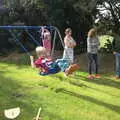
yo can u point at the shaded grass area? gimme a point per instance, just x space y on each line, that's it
61 98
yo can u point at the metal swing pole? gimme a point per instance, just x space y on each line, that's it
37 43
53 47
59 36
22 46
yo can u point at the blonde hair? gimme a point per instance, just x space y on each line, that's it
68 30
41 51
92 33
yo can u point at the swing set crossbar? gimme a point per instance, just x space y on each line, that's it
24 27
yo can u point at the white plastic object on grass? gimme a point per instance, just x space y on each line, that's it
38 114
12 113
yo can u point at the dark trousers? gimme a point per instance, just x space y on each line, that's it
117 65
92 63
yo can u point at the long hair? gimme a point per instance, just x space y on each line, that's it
92 33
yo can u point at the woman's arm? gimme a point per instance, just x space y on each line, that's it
74 44
98 41
89 42
66 42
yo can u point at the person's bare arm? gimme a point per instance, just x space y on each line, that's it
74 44
32 61
66 42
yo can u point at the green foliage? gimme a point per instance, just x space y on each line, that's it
28 12
77 14
106 43
109 14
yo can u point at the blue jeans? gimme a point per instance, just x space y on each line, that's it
117 65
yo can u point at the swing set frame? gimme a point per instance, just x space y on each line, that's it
11 29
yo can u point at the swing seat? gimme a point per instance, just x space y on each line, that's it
51 71
57 66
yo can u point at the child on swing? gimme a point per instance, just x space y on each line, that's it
47 66
43 62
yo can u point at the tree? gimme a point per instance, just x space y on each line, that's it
77 14
109 12
28 11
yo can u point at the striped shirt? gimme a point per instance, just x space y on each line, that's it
92 45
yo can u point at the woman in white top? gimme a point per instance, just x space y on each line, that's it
69 46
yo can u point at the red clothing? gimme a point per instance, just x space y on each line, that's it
43 63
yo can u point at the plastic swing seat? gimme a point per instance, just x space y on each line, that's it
51 71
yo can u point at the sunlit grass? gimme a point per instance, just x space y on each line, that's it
61 98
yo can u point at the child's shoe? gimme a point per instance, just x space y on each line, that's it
71 69
97 76
117 77
91 77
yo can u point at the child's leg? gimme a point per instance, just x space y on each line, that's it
63 64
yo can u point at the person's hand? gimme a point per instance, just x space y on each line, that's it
74 45
71 46
114 53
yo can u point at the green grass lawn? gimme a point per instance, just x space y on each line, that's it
61 98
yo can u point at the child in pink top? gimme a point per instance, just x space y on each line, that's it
47 40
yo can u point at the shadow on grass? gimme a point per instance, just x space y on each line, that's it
58 76
78 84
90 99
11 96
83 85
101 81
